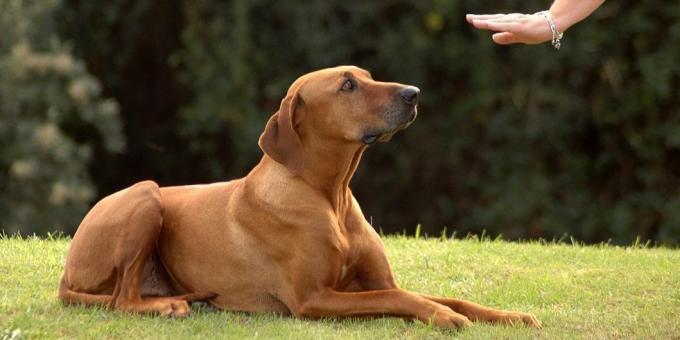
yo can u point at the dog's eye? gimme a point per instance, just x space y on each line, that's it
348 85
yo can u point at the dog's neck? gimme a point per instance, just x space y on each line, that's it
329 167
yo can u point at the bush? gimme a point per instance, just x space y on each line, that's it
521 140
52 119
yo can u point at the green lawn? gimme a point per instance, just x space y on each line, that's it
576 291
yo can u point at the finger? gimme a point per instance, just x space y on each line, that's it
518 21
499 16
511 18
471 17
487 24
504 38
497 26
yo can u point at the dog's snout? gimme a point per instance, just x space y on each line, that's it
410 95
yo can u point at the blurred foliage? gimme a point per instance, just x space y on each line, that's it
52 118
522 140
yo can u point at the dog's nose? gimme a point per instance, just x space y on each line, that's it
410 95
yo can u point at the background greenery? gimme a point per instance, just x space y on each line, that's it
522 140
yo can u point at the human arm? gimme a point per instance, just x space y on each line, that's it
531 28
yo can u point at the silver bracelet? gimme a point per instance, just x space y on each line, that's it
556 35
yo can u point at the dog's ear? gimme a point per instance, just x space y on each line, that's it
280 140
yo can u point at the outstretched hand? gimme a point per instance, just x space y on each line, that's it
513 28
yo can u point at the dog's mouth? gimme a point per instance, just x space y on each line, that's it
370 138
411 117
373 137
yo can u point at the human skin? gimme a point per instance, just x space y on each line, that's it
514 28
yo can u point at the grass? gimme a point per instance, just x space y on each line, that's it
576 291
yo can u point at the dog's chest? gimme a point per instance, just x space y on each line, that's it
343 272
348 266
345 276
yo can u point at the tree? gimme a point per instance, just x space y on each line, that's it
52 120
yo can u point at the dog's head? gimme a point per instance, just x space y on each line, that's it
340 104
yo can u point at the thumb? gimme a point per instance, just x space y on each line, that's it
504 38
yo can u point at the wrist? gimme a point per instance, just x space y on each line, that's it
561 19
556 33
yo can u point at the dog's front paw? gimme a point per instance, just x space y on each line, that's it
447 318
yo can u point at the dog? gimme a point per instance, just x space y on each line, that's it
288 238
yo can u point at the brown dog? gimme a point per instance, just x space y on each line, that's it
288 238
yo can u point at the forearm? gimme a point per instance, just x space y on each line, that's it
566 13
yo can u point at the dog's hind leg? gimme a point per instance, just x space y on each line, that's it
110 250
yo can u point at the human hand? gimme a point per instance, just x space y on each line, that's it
513 28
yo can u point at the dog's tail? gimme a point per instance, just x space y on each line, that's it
202 296
70 297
